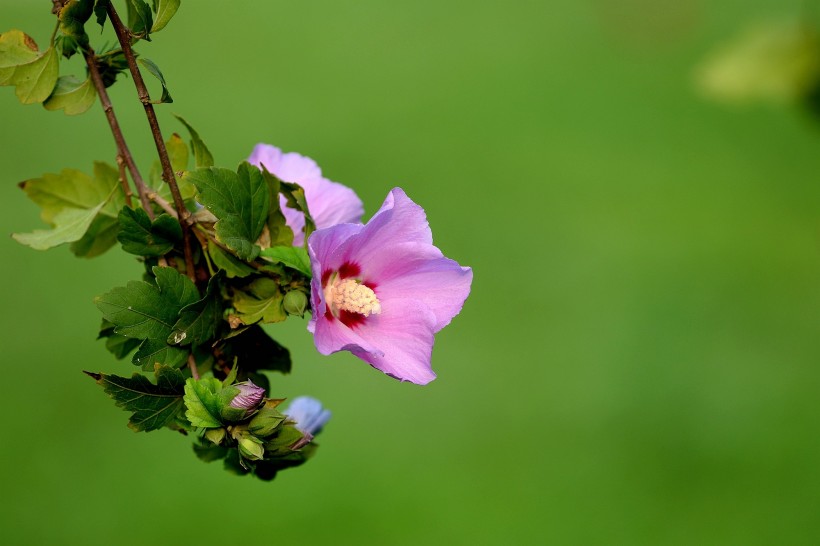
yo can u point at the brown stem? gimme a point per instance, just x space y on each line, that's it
126 189
123 153
163 204
124 37
192 366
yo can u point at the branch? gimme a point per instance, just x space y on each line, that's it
124 37
123 153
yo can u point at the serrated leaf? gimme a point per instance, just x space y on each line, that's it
226 262
157 73
153 351
165 10
148 310
202 155
100 236
198 322
202 402
291 256
239 200
34 75
140 19
72 95
153 405
69 226
139 235
261 300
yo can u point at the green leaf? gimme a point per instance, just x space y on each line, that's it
279 233
165 9
154 69
178 154
262 301
198 322
138 235
72 189
72 95
72 20
202 402
202 155
295 195
140 19
100 8
100 236
226 262
153 351
239 200
34 75
255 350
69 226
119 346
291 256
153 405
147 310
16 48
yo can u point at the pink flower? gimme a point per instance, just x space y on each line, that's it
381 290
330 203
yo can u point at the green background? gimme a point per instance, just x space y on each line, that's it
638 360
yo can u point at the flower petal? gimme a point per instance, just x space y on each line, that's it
420 272
330 203
399 220
403 333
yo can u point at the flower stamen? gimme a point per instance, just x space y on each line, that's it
352 296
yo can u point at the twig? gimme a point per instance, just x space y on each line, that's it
122 148
124 37
163 204
192 366
124 180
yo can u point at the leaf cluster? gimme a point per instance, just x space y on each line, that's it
35 74
217 266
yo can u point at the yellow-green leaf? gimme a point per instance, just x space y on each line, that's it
72 95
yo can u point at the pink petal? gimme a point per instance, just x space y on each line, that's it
399 220
403 334
329 203
420 272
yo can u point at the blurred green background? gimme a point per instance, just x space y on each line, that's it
638 360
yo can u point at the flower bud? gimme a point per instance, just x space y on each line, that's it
295 303
251 447
249 397
265 422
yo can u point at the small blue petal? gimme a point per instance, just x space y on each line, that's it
309 414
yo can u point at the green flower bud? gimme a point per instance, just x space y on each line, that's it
295 303
265 422
251 447
215 435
